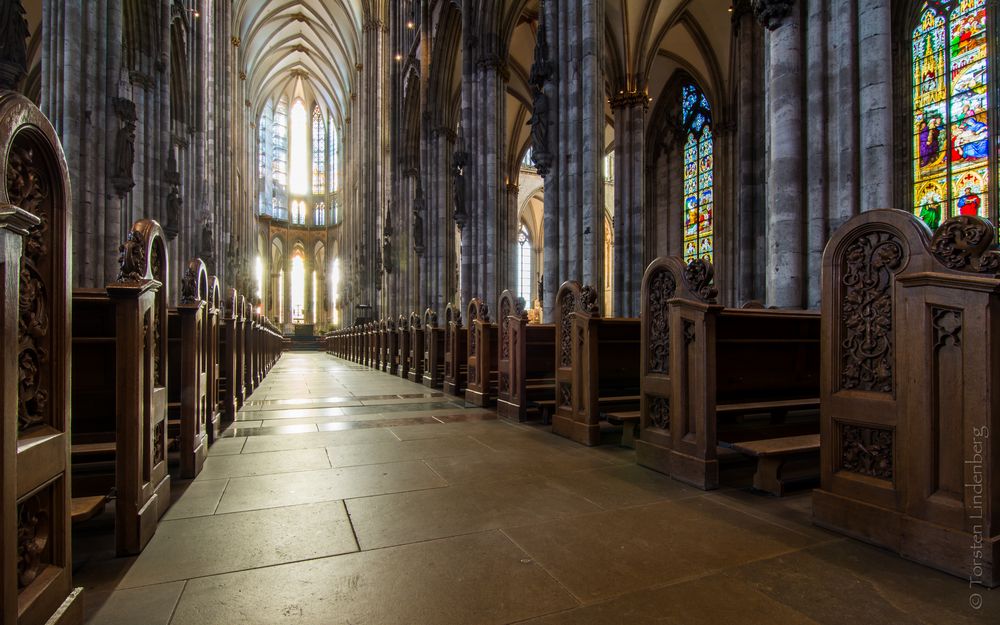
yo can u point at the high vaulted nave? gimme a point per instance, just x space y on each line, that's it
465 312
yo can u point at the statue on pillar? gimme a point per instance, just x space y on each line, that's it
541 73
174 206
13 49
418 220
459 160
121 175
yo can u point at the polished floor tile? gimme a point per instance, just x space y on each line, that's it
410 517
482 579
209 545
273 491
420 509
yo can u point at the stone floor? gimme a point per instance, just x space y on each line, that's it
346 496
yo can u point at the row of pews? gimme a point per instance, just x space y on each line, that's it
103 390
151 382
885 396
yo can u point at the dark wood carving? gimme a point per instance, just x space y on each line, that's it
35 352
909 320
662 286
866 301
967 243
867 451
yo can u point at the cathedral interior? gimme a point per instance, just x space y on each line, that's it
474 312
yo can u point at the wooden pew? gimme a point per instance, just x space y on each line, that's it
416 373
666 278
120 437
481 388
403 345
455 342
213 354
187 376
433 351
393 337
910 413
604 356
735 374
35 273
229 385
239 343
249 345
527 367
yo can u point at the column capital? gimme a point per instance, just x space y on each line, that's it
624 99
771 13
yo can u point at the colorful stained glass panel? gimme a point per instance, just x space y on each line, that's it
951 139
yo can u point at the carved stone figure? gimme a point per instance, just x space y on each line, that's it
124 146
418 221
541 73
13 50
174 205
459 161
771 13
207 241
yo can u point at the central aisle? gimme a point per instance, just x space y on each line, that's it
351 496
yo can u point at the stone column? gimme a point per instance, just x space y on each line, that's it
875 77
785 191
630 111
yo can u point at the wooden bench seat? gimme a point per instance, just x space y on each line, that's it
85 508
629 420
775 457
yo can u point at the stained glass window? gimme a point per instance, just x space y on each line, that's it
319 212
524 265
299 170
319 152
951 155
696 117
298 289
334 160
279 160
264 158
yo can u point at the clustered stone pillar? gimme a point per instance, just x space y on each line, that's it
574 188
629 111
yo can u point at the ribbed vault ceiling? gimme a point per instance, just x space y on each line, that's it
281 40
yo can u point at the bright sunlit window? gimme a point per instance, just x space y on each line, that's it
299 170
298 295
334 288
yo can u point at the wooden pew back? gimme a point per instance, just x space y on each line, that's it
416 373
481 355
433 350
910 409
456 341
35 276
143 484
213 355
567 302
665 279
403 345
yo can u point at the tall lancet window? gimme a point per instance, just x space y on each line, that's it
264 157
524 265
279 160
319 153
299 172
951 155
696 117
334 160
